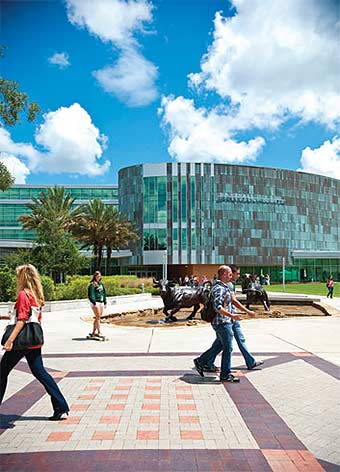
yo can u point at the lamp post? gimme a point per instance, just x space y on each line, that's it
165 265
283 275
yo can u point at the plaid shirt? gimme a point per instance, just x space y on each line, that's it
221 297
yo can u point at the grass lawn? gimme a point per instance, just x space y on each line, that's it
312 288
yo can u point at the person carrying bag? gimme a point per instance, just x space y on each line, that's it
23 337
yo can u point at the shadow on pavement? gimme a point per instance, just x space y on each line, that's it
7 421
196 379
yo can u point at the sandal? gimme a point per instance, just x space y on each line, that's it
230 378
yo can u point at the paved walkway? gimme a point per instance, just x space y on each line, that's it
138 405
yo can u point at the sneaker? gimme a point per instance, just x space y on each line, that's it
214 369
91 335
257 364
230 378
199 367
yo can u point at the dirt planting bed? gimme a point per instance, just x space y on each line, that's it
151 318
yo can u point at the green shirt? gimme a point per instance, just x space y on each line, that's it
96 294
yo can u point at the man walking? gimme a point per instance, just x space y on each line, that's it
236 325
221 298
216 347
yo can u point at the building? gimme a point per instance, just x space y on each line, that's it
194 216
205 215
12 205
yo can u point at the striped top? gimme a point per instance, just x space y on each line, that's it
221 297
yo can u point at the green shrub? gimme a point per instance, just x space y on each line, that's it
76 286
7 285
75 289
48 287
152 290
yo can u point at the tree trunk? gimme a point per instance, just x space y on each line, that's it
108 260
99 258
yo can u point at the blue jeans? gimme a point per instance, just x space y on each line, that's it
216 347
33 356
224 343
241 342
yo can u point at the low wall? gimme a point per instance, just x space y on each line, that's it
83 303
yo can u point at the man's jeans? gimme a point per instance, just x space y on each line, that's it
241 342
216 347
224 343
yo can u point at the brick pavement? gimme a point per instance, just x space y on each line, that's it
152 412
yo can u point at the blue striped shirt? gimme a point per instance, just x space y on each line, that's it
232 289
221 297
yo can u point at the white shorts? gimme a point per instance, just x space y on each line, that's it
98 304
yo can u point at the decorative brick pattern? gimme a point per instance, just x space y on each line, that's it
169 423
86 397
186 406
62 436
149 419
103 436
110 419
115 406
146 435
280 460
189 419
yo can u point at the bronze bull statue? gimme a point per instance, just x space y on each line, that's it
175 298
255 292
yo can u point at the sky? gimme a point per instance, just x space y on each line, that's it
125 82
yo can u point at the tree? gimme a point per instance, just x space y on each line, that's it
54 205
89 229
6 179
56 253
118 233
12 103
52 214
19 257
102 226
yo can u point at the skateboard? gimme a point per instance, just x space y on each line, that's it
97 338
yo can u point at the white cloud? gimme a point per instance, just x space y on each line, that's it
17 168
69 143
132 78
324 160
18 149
203 136
111 20
275 60
60 59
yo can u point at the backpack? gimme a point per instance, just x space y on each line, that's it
208 312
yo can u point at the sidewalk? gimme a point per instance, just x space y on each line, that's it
138 405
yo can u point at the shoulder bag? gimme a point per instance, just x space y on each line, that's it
31 334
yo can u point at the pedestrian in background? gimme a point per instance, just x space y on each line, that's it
330 286
97 296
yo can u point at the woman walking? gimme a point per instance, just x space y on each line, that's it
30 294
330 286
97 296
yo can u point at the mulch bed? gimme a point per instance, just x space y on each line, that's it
152 318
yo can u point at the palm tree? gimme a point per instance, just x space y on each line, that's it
101 226
118 233
52 215
51 206
89 228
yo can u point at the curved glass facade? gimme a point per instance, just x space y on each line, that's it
205 214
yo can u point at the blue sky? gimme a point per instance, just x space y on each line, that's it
122 83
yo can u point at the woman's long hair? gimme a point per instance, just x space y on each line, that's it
93 280
28 278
